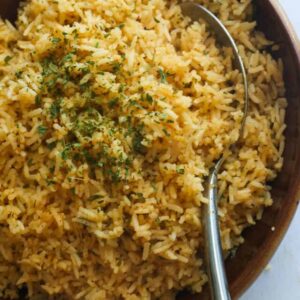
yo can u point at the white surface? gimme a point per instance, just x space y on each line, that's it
281 280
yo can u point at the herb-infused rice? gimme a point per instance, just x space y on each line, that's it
111 115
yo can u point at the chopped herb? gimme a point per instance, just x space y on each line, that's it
53 68
51 146
163 116
166 132
89 158
76 145
156 20
55 40
68 57
188 85
7 59
115 176
141 197
112 103
154 187
126 172
100 164
75 33
116 67
42 129
111 131
149 98
50 181
121 88
137 143
128 162
90 115
90 62
135 103
163 76
55 109
38 100
180 170
65 152
121 25
51 169
19 74
87 122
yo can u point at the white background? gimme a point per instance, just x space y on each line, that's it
281 280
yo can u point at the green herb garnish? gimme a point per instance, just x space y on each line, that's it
7 59
55 40
42 129
50 181
166 132
112 103
51 146
55 109
66 151
19 74
163 76
116 67
188 85
38 100
149 98
137 143
180 170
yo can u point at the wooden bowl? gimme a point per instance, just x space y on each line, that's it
260 241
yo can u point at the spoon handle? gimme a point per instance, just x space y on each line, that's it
213 249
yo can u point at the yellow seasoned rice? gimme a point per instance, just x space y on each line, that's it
112 112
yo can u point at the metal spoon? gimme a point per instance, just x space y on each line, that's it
213 248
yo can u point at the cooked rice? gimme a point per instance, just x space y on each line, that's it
111 115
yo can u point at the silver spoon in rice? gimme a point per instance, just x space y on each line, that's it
213 249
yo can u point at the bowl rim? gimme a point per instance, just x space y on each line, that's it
239 287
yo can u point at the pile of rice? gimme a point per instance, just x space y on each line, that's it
112 112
